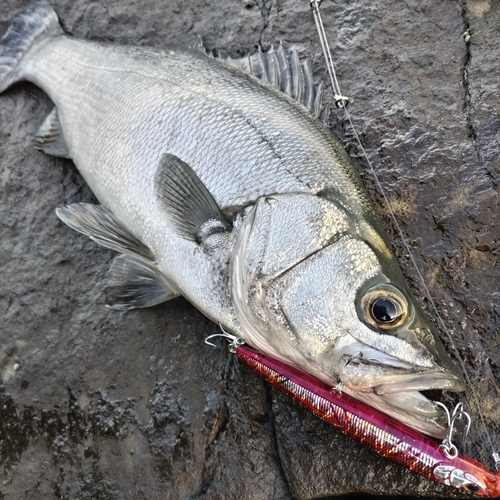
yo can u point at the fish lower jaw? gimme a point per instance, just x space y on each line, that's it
424 382
410 407
400 398
397 382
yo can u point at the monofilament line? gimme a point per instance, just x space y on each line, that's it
326 52
337 93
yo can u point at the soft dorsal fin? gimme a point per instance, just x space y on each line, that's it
284 71
134 283
49 137
187 200
100 225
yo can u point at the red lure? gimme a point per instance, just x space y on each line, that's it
380 432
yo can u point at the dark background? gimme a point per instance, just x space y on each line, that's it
113 405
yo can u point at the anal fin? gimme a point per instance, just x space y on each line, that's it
99 224
134 283
49 137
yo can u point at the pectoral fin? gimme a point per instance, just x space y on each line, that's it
188 202
49 137
134 283
99 224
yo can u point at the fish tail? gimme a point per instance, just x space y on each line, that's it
37 22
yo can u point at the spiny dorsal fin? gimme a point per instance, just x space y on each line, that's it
258 65
297 76
49 137
272 68
286 72
133 283
198 46
318 97
99 224
284 68
309 92
186 199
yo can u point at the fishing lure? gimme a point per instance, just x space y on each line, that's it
380 432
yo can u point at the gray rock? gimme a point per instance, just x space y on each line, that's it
102 404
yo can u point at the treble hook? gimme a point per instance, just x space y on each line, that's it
234 341
449 449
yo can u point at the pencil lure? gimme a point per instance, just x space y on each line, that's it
380 432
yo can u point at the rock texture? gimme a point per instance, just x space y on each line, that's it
101 404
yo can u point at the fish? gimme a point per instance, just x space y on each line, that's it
219 181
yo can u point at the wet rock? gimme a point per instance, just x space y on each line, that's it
103 404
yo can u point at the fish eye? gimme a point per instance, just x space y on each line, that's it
384 306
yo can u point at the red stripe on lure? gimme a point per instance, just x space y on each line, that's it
382 433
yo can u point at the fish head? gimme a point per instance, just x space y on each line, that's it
317 287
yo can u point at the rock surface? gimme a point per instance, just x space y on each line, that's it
101 404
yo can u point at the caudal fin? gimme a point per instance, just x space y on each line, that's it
37 22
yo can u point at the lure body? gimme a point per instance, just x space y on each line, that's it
383 434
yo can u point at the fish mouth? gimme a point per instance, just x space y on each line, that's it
392 386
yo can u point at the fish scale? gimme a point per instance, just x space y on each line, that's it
150 89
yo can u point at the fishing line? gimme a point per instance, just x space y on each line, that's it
341 102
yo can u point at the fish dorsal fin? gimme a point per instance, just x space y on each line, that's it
100 225
187 200
198 46
49 137
287 73
134 283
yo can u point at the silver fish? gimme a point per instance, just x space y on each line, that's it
218 182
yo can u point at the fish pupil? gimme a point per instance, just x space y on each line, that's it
384 310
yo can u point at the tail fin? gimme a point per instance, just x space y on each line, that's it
37 22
